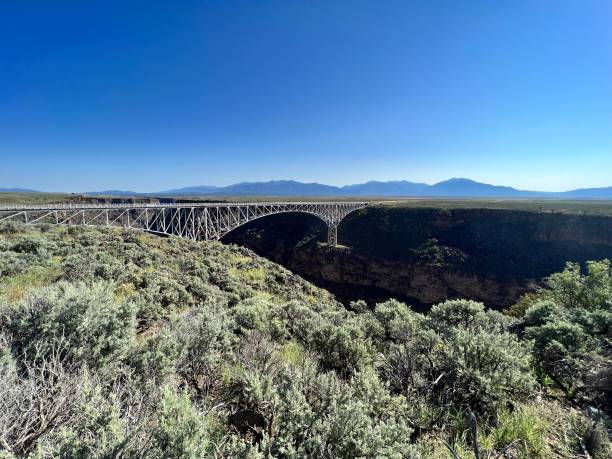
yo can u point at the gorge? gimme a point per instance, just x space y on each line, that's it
426 255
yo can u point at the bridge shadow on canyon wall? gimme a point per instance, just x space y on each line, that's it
424 256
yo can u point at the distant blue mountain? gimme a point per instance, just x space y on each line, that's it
455 187
590 193
111 193
462 187
191 190
17 190
279 188
272 188
452 188
397 188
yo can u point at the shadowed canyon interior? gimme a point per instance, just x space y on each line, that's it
424 256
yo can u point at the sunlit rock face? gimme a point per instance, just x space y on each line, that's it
424 256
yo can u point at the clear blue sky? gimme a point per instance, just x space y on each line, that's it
156 94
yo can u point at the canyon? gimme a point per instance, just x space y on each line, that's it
426 255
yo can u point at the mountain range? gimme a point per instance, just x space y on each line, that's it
17 190
453 188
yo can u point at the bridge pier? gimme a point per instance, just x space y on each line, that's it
332 235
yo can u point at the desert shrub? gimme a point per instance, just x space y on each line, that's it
489 370
414 368
97 329
207 343
92 266
253 381
563 350
571 289
337 337
466 314
253 314
24 252
319 415
12 263
12 227
30 244
359 306
154 360
449 315
570 328
396 319
112 422
519 308
40 399
459 357
296 411
298 319
197 285
182 430
342 347
162 293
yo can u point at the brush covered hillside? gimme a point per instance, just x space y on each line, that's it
120 344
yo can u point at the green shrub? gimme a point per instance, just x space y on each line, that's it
319 415
30 244
459 357
98 330
570 328
397 320
342 347
182 430
100 430
154 360
207 342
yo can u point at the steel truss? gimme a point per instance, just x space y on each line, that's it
209 222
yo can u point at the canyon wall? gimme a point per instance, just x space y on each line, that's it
425 255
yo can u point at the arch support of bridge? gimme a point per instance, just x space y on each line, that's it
332 234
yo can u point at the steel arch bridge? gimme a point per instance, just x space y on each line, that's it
209 221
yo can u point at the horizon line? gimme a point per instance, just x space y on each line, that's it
339 187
